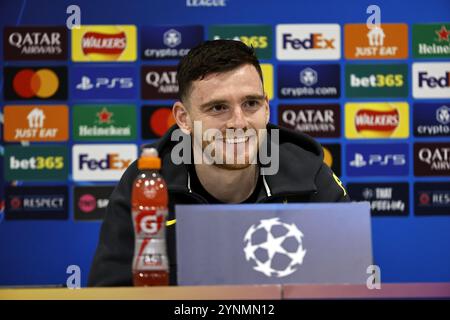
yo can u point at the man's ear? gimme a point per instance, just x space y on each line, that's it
182 117
267 108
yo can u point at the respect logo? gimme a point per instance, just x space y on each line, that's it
377 80
36 202
376 120
35 163
104 43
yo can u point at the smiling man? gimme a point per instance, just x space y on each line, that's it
223 113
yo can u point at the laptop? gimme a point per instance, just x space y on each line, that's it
273 243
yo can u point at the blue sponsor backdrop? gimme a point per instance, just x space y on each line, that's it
407 248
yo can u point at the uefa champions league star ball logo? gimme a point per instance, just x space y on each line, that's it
275 247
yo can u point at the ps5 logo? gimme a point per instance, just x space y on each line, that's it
88 84
378 159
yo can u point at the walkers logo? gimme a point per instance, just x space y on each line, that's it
332 157
432 159
36 123
309 81
37 202
308 42
376 80
432 198
35 43
431 40
259 37
377 159
386 199
104 122
386 41
159 82
104 43
376 120
267 71
155 121
101 162
90 202
162 42
431 80
320 121
41 83
431 119
103 83
35 163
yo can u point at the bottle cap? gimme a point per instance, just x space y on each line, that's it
149 159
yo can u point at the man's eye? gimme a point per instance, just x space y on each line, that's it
252 104
218 108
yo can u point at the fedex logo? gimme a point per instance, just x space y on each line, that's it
308 41
431 80
377 159
314 41
434 82
101 162
111 161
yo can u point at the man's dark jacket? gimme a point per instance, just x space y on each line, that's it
302 177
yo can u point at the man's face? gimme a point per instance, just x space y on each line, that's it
235 105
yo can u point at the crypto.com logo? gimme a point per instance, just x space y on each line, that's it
232 147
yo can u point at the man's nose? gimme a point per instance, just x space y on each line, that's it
238 119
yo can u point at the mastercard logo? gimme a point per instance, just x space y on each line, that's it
161 120
42 83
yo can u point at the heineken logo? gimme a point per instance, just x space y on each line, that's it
104 122
431 40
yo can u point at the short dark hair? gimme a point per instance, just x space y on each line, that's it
211 57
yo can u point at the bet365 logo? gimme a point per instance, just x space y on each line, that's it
257 36
35 163
377 80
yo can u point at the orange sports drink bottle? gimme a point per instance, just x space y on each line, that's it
149 200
